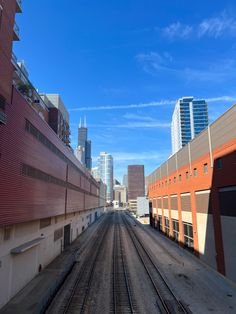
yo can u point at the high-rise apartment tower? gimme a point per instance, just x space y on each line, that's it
83 151
105 169
190 117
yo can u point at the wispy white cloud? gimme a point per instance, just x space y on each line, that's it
131 106
224 24
177 30
217 71
133 125
134 116
161 103
152 62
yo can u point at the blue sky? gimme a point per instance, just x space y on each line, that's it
124 63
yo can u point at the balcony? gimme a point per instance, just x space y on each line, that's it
3 117
18 6
16 33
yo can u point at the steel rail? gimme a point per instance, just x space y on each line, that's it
118 252
96 248
135 239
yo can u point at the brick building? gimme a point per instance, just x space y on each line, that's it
136 185
47 198
193 195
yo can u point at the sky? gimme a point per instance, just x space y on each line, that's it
123 64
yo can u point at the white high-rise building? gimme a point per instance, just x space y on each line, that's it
105 170
190 117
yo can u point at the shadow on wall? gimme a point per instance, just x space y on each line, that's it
220 226
216 219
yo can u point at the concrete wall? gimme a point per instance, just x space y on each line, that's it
16 270
228 231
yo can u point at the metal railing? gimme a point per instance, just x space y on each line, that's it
33 95
16 31
19 6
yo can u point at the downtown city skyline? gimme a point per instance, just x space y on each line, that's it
125 67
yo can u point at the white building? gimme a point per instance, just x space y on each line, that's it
105 170
190 117
142 206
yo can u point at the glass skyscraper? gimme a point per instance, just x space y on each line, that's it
105 170
84 147
190 117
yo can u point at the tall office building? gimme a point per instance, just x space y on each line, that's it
83 151
105 169
125 180
190 117
136 185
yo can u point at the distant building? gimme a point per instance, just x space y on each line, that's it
102 193
125 180
105 169
122 190
58 116
136 185
190 117
84 146
95 173
142 206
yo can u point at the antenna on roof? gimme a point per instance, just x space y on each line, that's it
80 123
85 121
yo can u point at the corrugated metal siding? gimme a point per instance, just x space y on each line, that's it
164 172
185 203
172 164
24 198
183 157
203 203
224 129
174 203
165 203
200 145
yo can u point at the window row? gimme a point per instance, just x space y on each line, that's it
187 228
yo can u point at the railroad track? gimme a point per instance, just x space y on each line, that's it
167 301
122 302
80 292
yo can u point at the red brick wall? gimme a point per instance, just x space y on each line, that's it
24 198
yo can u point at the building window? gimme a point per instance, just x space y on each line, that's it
205 168
174 179
167 226
180 178
218 163
195 172
175 224
188 235
186 175
160 222
169 181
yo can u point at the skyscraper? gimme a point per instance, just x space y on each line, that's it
83 151
105 169
190 117
136 185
